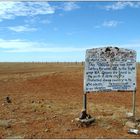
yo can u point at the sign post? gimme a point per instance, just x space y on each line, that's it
85 102
134 104
109 69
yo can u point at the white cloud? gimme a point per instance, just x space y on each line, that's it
15 46
10 47
55 29
71 33
97 26
135 46
121 5
32 20
69 6
35 20
11 9
21 29
45 21
111 23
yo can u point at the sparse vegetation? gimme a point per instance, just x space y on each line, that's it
47 97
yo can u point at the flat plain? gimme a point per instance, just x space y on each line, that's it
47 97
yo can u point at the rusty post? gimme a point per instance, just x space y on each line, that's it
85 102
134 104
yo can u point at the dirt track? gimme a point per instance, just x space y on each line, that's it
46 99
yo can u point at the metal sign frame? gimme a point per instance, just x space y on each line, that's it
133 91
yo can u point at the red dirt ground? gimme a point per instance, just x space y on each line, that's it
47 97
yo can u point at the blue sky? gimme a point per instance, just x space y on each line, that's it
62 31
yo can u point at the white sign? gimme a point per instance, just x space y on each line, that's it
110 69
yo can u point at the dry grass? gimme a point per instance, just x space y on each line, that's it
47 97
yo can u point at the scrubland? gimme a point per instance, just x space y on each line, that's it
47 97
